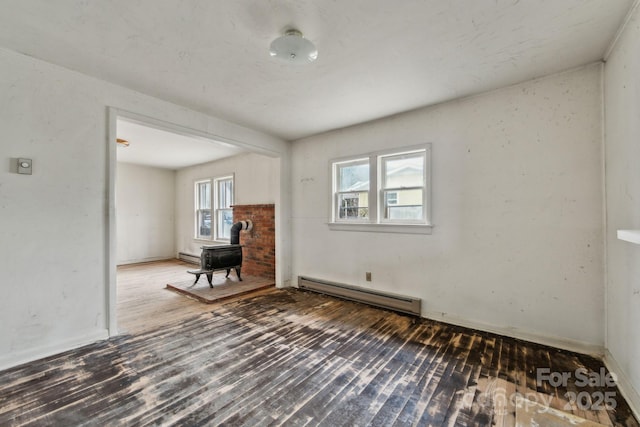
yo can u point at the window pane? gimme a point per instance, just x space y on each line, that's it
403 204
228 191
225 193
204 195
225 221
391 198
353 177
353 205
204 223
403 171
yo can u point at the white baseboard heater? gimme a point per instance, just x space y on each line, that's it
401 303
193 259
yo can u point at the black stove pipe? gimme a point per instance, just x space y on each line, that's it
236 228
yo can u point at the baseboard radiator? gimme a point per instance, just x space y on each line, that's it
193 259
401 303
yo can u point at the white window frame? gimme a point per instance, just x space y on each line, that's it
199 209
382 189
376 222
215 210
336 193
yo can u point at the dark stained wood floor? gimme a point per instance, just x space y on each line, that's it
289 357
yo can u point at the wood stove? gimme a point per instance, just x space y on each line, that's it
222 257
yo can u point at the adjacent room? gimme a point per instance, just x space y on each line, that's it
174 194
437 205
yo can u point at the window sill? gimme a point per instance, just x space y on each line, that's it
211 242
382 228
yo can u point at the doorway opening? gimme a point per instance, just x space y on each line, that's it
154 169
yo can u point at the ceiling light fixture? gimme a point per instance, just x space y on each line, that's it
122 142
292 47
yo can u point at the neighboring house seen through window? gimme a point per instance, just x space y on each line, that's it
384 188
352 189
403 187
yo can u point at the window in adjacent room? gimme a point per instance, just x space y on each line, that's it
383 191
223 211
203 209
214 220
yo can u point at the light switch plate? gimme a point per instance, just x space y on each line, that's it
25 166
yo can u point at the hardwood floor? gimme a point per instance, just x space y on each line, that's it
143 301
289 357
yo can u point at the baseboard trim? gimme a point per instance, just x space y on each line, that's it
552 341
628 391
190 258
143 260
29 355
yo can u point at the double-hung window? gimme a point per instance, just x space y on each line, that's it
214 220
384 191
352 190
402 188
223 211
203 209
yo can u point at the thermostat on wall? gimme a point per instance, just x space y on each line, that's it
25 166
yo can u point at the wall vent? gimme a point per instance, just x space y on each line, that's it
192 259
401 303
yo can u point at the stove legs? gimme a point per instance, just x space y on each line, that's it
237 272
209 274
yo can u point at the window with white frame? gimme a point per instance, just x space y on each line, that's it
214 220
223 211
352 189
383 188
402 187
203 209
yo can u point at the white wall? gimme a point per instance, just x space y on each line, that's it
54 224
145 200
517 205
622 125
256 181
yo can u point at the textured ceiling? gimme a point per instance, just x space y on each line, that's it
164 149
376 57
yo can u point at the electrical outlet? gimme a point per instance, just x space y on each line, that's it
368 276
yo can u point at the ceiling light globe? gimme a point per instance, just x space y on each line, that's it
293 48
